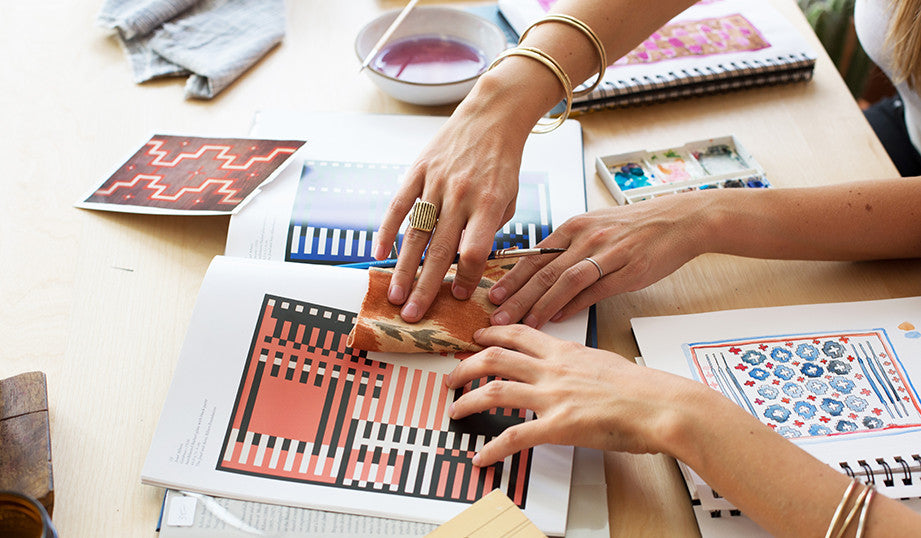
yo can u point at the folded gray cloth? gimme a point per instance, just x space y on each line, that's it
214 41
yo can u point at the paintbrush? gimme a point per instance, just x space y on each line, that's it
494 255
387 33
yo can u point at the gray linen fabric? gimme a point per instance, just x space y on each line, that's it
213 41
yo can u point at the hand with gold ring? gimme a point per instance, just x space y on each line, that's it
608 251
468 177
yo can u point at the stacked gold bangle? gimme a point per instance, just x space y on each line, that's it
861 504
554 66
592 36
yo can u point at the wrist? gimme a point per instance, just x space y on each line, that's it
517 92
686 432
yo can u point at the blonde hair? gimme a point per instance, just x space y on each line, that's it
904 40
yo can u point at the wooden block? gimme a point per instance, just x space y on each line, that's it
495 515
25 438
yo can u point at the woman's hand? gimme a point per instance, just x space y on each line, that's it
633 247
469 171
581 396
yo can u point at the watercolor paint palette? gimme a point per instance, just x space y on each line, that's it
713 163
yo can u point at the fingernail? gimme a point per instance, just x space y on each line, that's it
476 460
410 311
531 321
396 294
497 294
461 293
448 381
557 316
451 411
501 318
477 333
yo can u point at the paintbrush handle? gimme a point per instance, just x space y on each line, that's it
494 255
388 32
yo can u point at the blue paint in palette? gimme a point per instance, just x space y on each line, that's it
715 163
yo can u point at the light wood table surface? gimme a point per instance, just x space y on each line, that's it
101 301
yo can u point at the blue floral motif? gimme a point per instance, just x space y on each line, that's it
780 354
784 372
804 409
816 386
788 432
855 403
753 357
833 349
777 413
811 369
807 351
845 426
768 391
832 407
792 390
759 373
839 367
872 422
819 429
842 384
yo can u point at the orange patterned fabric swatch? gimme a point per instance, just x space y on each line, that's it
447 327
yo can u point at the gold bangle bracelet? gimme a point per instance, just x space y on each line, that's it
836 518
858 504
591 35
861 523
554 67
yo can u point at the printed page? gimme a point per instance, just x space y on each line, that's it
837 379
327 206
268 404
193 515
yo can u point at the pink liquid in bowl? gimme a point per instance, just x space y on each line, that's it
429 60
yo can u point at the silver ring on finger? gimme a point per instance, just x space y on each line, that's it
597 266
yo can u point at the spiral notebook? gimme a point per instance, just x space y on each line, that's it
712 47
839 380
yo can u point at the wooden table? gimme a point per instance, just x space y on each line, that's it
100 301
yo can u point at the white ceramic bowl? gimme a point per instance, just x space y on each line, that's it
423 26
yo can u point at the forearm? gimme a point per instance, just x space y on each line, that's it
855 221
771 480
523 90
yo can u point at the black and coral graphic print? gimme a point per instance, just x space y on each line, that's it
188 173
311 409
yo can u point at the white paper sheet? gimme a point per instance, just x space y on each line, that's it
872 414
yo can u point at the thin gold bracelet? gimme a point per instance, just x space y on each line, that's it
833 525
858 504
863 513
591 35
554 67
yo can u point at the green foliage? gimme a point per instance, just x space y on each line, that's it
832 21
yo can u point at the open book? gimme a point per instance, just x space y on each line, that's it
836 379
269 404
712 47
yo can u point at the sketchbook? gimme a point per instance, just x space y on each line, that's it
712 47
836 379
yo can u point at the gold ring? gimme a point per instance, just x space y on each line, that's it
424 216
